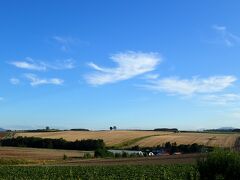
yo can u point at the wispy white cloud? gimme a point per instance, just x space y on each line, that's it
35 65
221 99
36 81
64 42
29 64
129 65
14 81
188 87
227 37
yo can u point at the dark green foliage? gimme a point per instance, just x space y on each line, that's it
193 148
117 155
134 155
124 155
173 147
236 130
166 129
79 129
11 161
220 165
102 152
47 129
174 172
222 130
36 142
65 157
136 148
87 155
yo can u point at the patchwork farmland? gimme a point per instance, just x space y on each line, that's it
142 138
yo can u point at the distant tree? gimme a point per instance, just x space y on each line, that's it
47 128
136 148
111 128
114 128
168 146
103 152
65 157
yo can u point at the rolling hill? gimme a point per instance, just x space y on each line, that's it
142 138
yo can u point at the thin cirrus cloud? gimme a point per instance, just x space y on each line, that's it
188 87
221 99
228 38
14 81
129 65
34 65
61 65
64 42
36 81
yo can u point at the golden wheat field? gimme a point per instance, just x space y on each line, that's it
39 154
216 140
109 137
142 138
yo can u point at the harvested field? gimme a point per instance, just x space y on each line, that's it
55 157
142 138
39 154
216 140
111 138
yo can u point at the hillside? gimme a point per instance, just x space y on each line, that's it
142 138
2 130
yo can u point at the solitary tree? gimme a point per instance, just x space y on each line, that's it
111 128
114 127
47 128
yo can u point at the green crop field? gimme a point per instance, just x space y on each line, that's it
177 172
217 165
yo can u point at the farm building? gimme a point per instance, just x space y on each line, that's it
140 153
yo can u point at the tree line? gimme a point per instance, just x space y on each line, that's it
172 148
167 129
36 142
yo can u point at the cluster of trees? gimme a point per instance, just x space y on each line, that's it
236 130
222 130
102 152
185 148
36 142
79 129
112 128
47 129
167 129
171 148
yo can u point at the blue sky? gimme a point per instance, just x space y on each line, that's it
134 64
